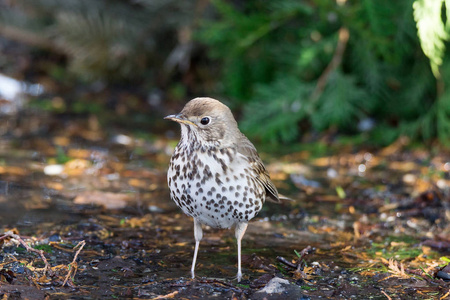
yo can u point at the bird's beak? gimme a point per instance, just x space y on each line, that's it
179 118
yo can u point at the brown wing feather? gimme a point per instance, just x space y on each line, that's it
247 149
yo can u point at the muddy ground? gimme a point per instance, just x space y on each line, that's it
362 224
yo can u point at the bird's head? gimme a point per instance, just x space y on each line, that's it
207 120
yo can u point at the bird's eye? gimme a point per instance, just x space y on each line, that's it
205 120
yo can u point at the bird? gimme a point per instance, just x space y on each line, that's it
215 174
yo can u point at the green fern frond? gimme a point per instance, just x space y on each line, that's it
416 96
432 31
342 103
370 70
435 122
379 23
277 109
380 16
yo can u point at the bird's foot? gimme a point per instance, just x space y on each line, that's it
239 276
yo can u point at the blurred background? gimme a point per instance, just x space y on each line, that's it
362 72
356 92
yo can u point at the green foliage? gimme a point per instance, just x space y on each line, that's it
432 30
44 247
289 65
341 103
280 108
340 192
252 45
61 156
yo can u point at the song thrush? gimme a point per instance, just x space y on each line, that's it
215 174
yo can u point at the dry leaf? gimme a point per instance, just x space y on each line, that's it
105 199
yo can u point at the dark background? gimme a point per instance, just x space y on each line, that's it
292 71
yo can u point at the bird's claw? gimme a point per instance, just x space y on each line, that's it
239 277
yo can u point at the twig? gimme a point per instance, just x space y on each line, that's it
304 252
286 262
73 265
170 295
387 296
334 63
298 265
47 267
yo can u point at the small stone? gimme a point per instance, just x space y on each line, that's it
278 288
443 275
54 238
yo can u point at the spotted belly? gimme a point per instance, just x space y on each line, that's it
214 190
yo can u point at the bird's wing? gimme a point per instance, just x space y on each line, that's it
247 149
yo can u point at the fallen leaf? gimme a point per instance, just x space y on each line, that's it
105 199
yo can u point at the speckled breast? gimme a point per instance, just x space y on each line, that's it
218 188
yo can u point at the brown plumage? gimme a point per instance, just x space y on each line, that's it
215 174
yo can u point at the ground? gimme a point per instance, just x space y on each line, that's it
362 223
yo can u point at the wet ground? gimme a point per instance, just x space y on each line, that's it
362 224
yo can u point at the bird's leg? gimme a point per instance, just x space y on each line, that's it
239 232
198 234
